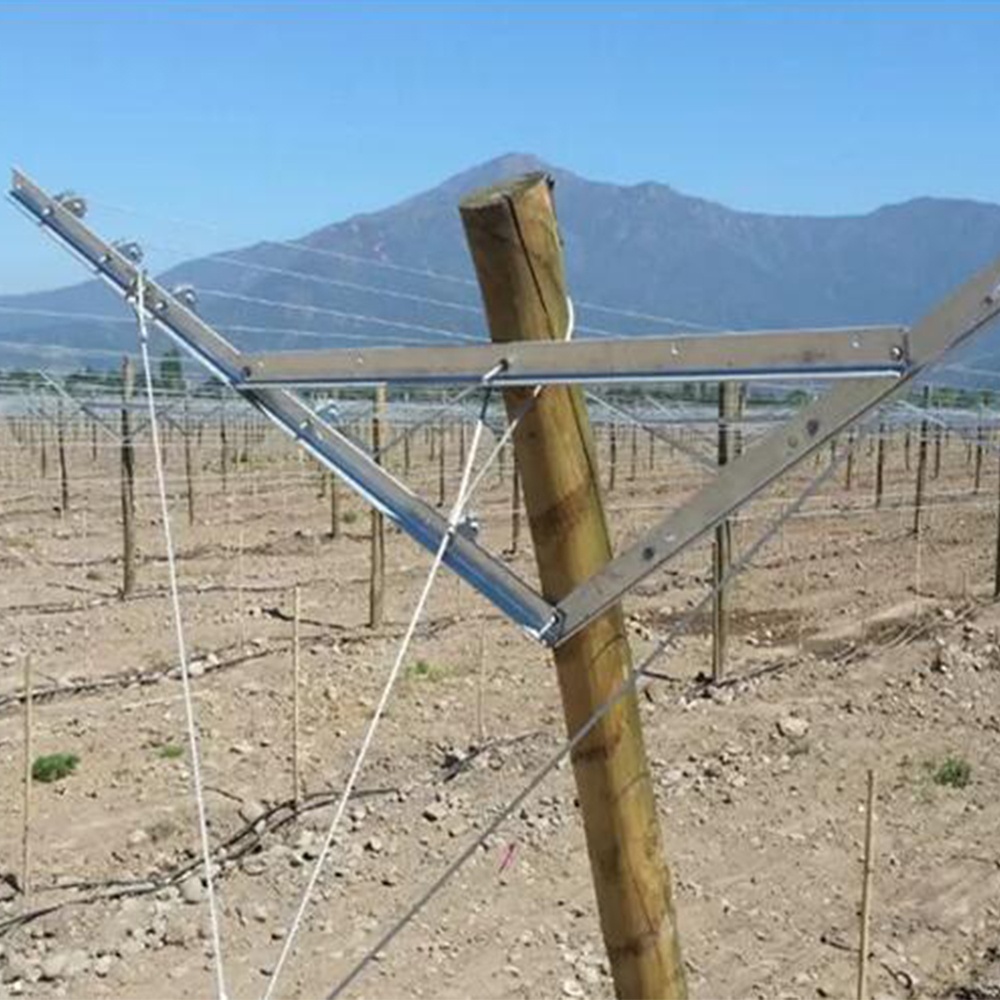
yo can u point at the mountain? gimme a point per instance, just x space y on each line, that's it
644 248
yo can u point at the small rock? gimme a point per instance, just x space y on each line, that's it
102 966
192 891
252 810
793 727
572 988
137 837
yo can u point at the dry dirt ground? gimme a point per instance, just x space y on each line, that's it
854 646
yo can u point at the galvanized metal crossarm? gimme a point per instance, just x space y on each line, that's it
747 355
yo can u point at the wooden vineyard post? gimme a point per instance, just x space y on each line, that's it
296 770
880 464
441 465
63 472
376 590
515 510
223 449
26 818
612 455
730 400
334 507
849 474
188 464
514 241
918 502
978 473
996 559
866 891
633 469
127 482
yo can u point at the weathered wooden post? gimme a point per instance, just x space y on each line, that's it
515 510
334 507
515 245
127 482
376 590
633 469
730 401
849 472
880 464
63 472
978 474
441 464
224 448
188 462
921 464
612 455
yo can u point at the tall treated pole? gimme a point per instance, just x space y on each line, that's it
376 589
514 240
918 502
730 402
127 482
849 475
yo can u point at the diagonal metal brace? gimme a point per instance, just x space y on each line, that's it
487 574
975 304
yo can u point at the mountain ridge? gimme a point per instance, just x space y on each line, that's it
644 247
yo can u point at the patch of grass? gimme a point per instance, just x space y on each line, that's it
423 670
349 516
953 772
53 767
170 751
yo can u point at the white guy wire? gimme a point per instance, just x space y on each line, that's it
140 310
454 517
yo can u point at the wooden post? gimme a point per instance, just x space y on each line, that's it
515 510
921 464
652 451
223 449
376 590
93 440
633 469
334 507
730 399
63 472
188 463
866 891
441 466
996 559
880 464
406 454
26 825
849 473
906 449
978 474
937 450
296 773
127 482
515 245
612 456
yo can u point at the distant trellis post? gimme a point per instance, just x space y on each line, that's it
127 481
730 404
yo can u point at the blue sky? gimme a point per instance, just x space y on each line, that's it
269 120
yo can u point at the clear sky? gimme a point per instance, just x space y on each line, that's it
269 120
